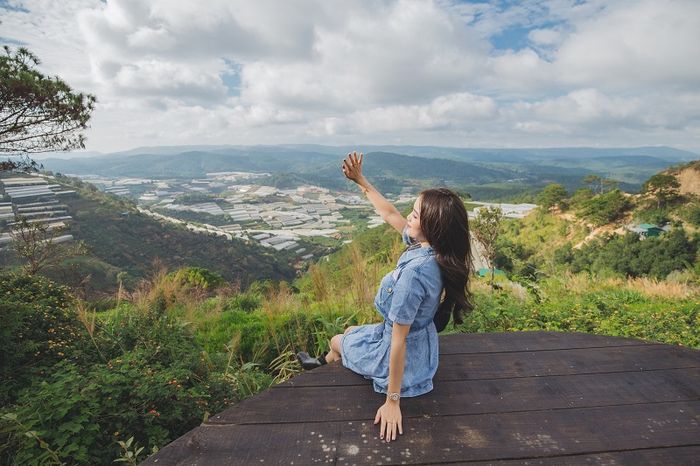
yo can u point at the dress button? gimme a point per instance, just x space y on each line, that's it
389 289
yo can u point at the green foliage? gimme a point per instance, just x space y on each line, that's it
151 380
34 243
664 187
564 254
283 180
198 277
527 246
514 258
128 455
39 328
630 256
515 192
552 195
38 113
653 215
193 217
692 214
486 228
599 308
193 198
82 413
605 208
579 198
217 332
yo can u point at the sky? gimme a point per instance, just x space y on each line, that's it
549 73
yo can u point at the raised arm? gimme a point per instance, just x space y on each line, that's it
352 168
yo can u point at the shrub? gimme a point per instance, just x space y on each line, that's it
82 414
580 303
605 208
630 256
653 215
38 329
551 195
198 277
692 214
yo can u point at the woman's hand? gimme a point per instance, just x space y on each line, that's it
352 167
390 416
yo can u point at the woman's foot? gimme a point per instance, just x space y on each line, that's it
308 363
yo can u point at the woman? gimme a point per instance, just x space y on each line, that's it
400 354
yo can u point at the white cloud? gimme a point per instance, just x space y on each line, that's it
622 73
455 110
545 36
635 45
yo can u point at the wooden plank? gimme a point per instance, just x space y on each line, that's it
526 435
319 404
434 440
525 364
284 444
672 456
535 340
573 361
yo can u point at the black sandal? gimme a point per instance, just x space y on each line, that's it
308 363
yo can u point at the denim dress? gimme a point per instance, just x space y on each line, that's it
408 295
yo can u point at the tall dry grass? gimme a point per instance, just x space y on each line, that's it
189 299
660 288
88 317
285 366
363 277
280 305
319 282
676 286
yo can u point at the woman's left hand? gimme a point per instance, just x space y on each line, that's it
390 416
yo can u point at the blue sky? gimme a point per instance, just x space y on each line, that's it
531 73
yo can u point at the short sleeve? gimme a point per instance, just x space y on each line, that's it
409 292
407 240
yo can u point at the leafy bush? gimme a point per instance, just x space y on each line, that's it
198 277
218 332
564 255
246 302
598 306
38 329
149 378
630 256
605 208
82 413
551 195
692 214
653 215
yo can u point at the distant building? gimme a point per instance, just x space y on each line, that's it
483 272
645 230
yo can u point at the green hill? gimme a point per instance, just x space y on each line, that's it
121 239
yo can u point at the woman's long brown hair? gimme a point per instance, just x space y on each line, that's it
445 225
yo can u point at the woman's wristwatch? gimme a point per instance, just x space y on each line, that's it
394 396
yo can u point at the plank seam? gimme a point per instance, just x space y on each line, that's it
486 413
360 383
595 452
559 349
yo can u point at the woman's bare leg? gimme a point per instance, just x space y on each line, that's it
335 353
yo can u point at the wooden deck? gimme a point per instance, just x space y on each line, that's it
515 398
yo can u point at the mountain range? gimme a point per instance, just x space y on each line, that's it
391 165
